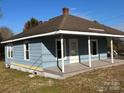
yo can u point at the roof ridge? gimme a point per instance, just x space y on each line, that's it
62 22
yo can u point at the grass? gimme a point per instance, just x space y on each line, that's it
13 81
109 80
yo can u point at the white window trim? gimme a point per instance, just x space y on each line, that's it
96 47
8 52
77 46
24 47
65 57
9 49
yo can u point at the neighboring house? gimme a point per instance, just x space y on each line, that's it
65 39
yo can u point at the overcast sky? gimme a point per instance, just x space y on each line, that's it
17 12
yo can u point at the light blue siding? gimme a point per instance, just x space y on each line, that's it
43 52
83 48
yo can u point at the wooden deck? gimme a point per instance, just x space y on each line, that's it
76 68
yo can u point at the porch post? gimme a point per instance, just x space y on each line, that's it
62 53
112 56
89 50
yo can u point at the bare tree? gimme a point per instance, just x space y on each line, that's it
5 33
1 13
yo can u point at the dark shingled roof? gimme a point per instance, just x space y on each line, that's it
70 23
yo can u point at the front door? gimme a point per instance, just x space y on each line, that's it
73 47
94 47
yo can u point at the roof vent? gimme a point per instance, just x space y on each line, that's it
65 11
96 29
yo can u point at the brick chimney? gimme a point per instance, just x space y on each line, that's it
65 11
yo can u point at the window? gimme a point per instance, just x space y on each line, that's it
10 51
58 48
26 51
94 47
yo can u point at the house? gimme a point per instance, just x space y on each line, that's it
60 41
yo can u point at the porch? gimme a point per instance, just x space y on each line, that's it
93 47
77 68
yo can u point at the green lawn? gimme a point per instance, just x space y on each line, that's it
109 80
